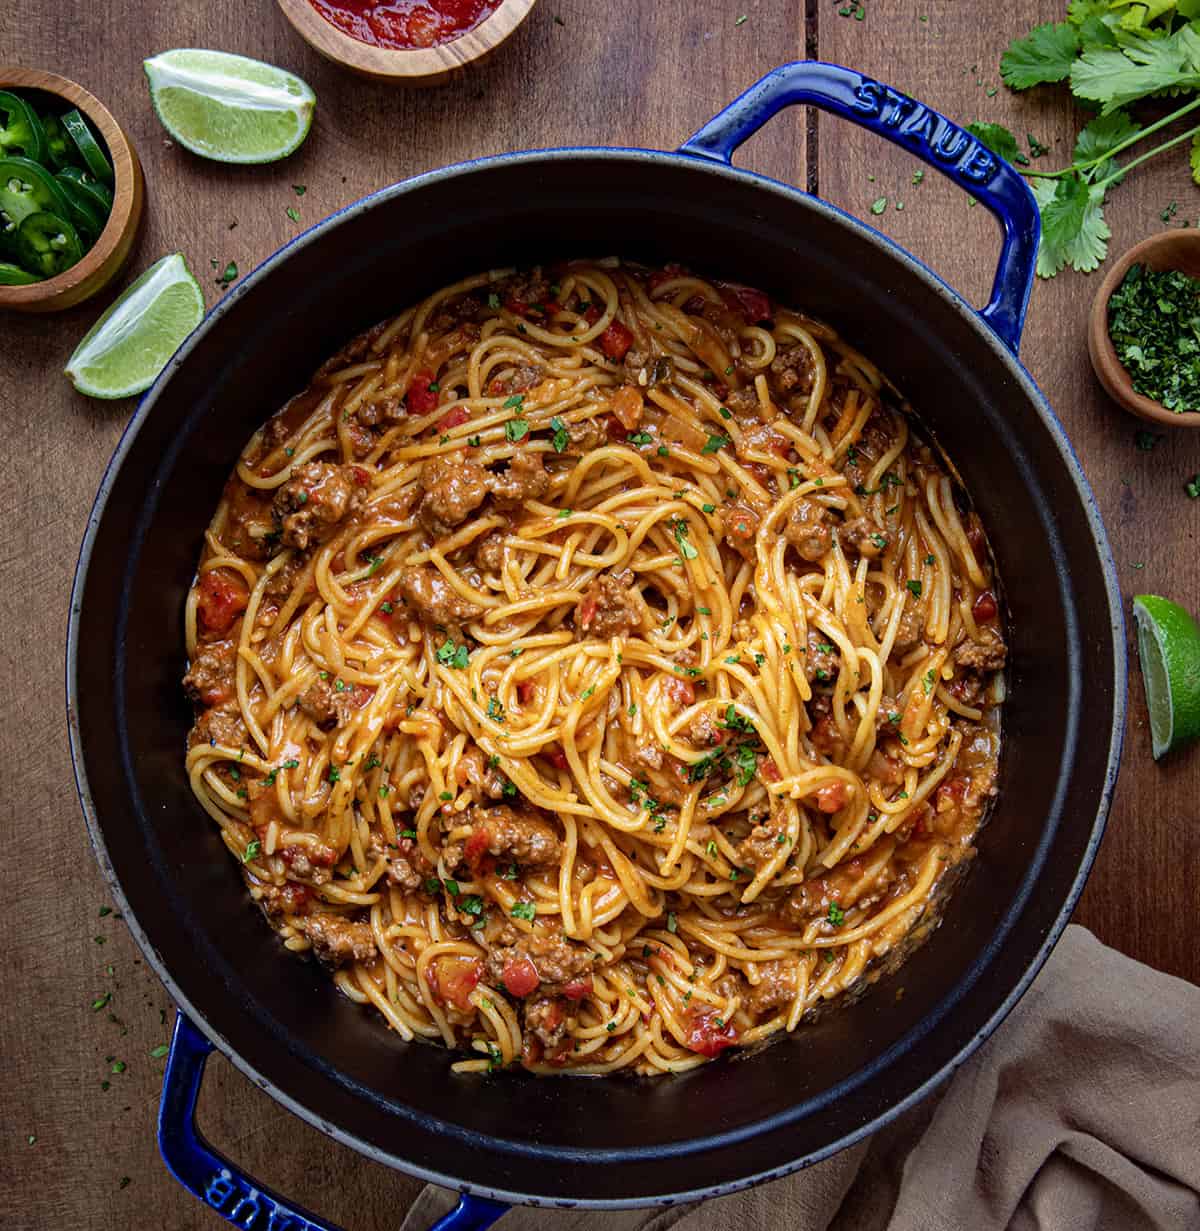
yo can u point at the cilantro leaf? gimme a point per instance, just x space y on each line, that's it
1114 76
516 429
1044 55
1073 228
560 439
686 549
998 139
1101 136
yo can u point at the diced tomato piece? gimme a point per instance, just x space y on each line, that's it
360 694
516 306
751 303
520 977
586 611
985 608
223 597
627 405
362 476
476 847
708 1038
614 427
592 315
659 276
420 399
557 758
454 978
976 537
553 1015
951 793
525 691
577 989
832 797
682 692
768 770
615 341
455 417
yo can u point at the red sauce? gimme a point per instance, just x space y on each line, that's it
405 24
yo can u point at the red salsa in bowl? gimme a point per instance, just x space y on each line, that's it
405 25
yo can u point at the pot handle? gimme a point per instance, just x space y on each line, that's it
220 1184
917 128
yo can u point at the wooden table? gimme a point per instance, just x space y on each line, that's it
578 72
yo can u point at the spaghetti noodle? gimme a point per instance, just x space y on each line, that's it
595 670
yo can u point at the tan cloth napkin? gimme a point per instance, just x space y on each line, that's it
1082 1113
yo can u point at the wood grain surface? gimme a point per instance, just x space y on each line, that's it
77 1136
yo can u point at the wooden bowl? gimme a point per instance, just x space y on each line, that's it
424 66
106 257
1178 249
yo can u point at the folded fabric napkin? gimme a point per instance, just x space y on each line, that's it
1082 1113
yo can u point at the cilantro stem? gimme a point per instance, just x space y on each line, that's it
1121 172
1120 147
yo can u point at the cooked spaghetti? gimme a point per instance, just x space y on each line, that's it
595 669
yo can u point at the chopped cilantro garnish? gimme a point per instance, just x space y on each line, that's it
560 439
837 916
686 549
516 429
252 851
451 655
714 443
524 910
913 587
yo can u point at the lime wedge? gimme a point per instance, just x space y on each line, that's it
1169 649
130 344
228 107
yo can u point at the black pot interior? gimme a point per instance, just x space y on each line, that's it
610 1140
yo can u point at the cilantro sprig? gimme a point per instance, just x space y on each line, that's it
1112 54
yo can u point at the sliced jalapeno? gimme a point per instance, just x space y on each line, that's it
20 129
26 188
14 275
47 245
60 150
87 145
97 192
88 215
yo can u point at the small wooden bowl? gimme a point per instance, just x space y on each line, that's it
1178 249
424 66
104 260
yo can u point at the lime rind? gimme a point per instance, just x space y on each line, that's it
228 107
126 349
1169 652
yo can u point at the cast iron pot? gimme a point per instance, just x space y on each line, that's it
611 1142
